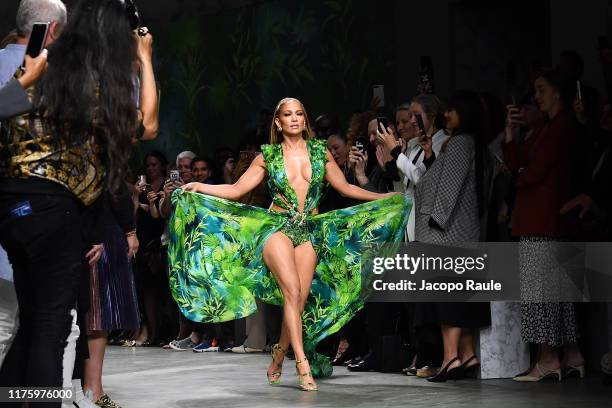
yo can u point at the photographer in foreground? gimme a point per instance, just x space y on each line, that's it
56 162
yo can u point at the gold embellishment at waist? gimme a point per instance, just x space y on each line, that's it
276 209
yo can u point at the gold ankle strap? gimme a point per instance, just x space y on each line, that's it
279 348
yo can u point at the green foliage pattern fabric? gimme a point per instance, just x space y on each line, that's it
216 245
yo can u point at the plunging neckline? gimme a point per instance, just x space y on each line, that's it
296 203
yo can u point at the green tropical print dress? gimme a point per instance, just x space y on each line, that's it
216 245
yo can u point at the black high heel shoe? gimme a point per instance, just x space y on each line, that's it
471 371
447 374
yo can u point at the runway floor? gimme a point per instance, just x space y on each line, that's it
152 377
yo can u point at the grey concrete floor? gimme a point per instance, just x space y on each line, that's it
152 377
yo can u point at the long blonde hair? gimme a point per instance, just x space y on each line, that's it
276 136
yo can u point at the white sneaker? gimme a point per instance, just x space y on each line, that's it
183 345
84 400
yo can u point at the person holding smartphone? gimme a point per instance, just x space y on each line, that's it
31 12
420 135
15 101
44 201
150 279
542 165
450 199
379 179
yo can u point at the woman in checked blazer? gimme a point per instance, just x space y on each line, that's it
450 201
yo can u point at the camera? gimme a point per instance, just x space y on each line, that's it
134 17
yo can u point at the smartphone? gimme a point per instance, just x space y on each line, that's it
420 124
37 40
174 175
513 100
382 121
426 75
379 92
359 146
132 14
579 90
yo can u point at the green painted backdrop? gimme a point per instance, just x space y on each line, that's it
217 71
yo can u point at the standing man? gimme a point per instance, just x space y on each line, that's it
30 12
11 57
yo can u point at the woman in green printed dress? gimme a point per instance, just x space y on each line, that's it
222 252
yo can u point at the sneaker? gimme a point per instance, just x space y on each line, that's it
206 346
83 401
182 345
105 402
244 349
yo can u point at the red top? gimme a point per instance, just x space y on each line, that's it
543 164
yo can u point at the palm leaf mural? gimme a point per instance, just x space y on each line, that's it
191 81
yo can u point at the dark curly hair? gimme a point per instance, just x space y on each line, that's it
89 86
472 121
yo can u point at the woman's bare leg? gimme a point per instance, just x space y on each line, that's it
279 256
284 340
92 378
450 337
466 346
305 262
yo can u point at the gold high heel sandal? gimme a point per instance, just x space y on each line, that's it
274 378
303 382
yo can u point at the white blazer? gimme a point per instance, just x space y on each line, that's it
411 167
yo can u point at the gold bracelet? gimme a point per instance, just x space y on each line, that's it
130 234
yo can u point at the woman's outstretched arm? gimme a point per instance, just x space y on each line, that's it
249 180
336 178
148 88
